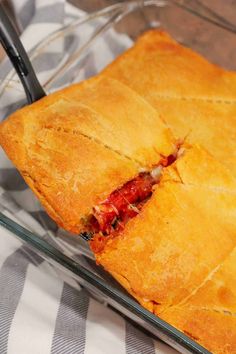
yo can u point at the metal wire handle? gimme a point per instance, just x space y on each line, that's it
19 58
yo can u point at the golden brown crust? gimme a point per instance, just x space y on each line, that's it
195 98
214 331
178 218
67 146
76 146
182 236
209 314
166 68
210 124
114 111
62 168
219 291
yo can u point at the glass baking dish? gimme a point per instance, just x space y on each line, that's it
105 34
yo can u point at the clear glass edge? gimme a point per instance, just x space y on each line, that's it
57 258
119 10
207 15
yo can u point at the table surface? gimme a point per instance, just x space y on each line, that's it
223 50
223 8
226 9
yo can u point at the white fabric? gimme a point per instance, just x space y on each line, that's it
36 313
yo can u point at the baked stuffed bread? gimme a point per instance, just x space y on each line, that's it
195 98
75 146
183 251
102 159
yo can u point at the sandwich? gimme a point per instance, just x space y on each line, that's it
115 160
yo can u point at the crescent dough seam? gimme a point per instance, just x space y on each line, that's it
216 100
222 312
207 309
210 188
78 132
33 184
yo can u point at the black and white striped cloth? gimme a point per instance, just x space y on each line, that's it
39 313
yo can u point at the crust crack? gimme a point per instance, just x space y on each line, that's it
189 334
131 290
26 174
208 277
77 132
219 100
209 188
207 309
178 173
201 285
222 312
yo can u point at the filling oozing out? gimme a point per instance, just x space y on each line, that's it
110 216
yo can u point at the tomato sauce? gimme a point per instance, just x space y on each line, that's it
110 216
121 204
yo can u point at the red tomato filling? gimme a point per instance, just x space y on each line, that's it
110 216
122 204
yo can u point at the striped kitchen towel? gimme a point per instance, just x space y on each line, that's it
39 313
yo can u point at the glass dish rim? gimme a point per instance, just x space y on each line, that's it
118 10
53 255
56 257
